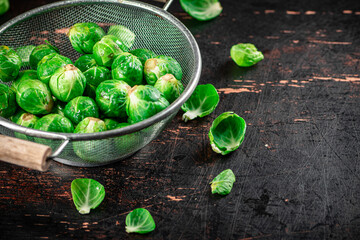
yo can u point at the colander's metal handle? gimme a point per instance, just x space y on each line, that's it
167 4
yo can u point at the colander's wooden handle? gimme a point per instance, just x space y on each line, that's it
24 153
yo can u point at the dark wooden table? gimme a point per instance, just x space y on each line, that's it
297 172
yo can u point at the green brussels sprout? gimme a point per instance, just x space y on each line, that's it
90 91
24 53
107 49
26 120
54 123
202 10
83 36
125 35
4 6
67 83
39 52
227 133
143 54
10 64
17 115
111 123
59 107
170 87
79 108
34 96
26 74
85 62
245 54
111 97
49 64
7 101
157 67
128 68
143 102
96 75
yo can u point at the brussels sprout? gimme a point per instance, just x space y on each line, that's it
245 54
143 54
26 120
59 107
4 6
170 87
34 96
201 103
96 75
90 125
10 64
17 115
107 49
127 143
111 97
49 64
85 62
39 52
81 107
67 83
90 91
54 123
111 123
202 10
24 53
128 68
227 133
143 102
125 35
26 74
157 67
7 101
83 36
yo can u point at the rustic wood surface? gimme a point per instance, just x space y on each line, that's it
297 172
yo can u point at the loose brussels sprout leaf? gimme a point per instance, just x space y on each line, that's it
26 120
39 52
143 54
125 35
227 132
139 221
96 75
4 6
128 68
144 101
107 49
202 102
87 194
202 10
67 82
24 53
245 54
85 62
54 123
79 108
83 36
17 115
49 64
34 96
7 101
157 67
223 183
10 64
170 87
110 123
111 97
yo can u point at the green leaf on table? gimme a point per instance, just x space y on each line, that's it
245 54
139 221
202 10
223 183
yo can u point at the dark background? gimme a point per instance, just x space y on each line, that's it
297 172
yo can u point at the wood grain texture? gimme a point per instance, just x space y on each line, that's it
297 172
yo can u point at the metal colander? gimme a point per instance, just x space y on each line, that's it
155 29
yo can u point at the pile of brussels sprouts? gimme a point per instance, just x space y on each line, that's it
108 87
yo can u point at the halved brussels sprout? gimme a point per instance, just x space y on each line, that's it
10 64
125 35
39 52
79 108
49 64
111 97
107 49
34 96
202 10
245 54
227 132
26 120
85 62
110 123
7 101
157 67
24 53
67 83
143 102
128 68
54 123
170 87
143 54
83 36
